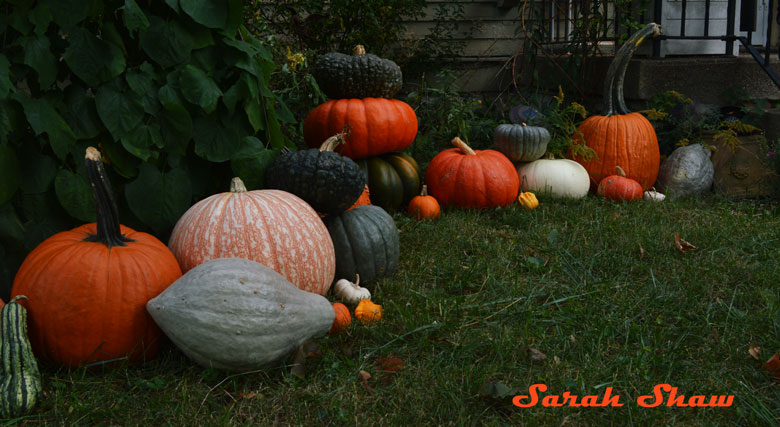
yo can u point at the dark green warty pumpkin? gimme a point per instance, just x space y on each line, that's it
20 380
326 180
366 242
360 75
521 143
393 179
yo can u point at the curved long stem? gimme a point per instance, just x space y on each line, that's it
616 75
108 228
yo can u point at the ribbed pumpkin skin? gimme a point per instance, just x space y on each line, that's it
376 125
239 315
487 179
20 382
521 143
272 227
83 295
327 181
393 179
616 187
367 243
625 140
357 76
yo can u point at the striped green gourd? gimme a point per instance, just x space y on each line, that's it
20 380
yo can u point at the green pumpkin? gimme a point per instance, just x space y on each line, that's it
521 143
326 180
20 384
366 242
393 179
360 75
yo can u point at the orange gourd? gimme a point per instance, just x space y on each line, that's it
374 125
88 287
618 187
367 312
342 319
620 137
424 206
273 227
470 178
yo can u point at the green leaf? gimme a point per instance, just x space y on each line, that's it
44 118
252 161
120 160
176 128
41 17
138 141
37 54
5 77
10 175
82 114
199 89
273 129
173 4
133 17
67 13
159 199
254 112
38 173
142 83
75 195
167 43
10 226
211 13
121 112
93 60
214 142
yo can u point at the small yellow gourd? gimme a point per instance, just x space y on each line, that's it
528 200
367 312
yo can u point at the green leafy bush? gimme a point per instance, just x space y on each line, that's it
175 94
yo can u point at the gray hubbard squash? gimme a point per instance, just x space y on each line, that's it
360 75
326 180
366 243
238 315
521 143
20 385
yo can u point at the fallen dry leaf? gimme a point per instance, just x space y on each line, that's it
363 378
247 395
772 366
754 350
641 251
682 245
557 360
536 355
391 364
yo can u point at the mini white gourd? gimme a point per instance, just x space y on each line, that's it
653 195
349 292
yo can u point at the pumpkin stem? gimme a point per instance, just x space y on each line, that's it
463 146
108 229
620 171
357 280
334 141
359 50
616 74
18 298
424 191
237 186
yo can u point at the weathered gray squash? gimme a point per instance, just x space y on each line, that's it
366 242
688 171
521 143
238 315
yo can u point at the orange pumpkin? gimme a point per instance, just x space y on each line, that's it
470 178
342 319
620 137
88 287
364 199
367 312
618 187
273 227
374 125
424 206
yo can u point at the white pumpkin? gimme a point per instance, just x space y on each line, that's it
560 178
238 315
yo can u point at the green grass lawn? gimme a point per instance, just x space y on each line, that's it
598 287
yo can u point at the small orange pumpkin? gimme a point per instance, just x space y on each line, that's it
618 187
368 312
424 206
342 320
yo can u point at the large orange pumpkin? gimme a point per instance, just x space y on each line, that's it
87 288
620 137
375 125
273 227
470 178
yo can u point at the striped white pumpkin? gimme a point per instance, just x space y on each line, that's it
273 227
